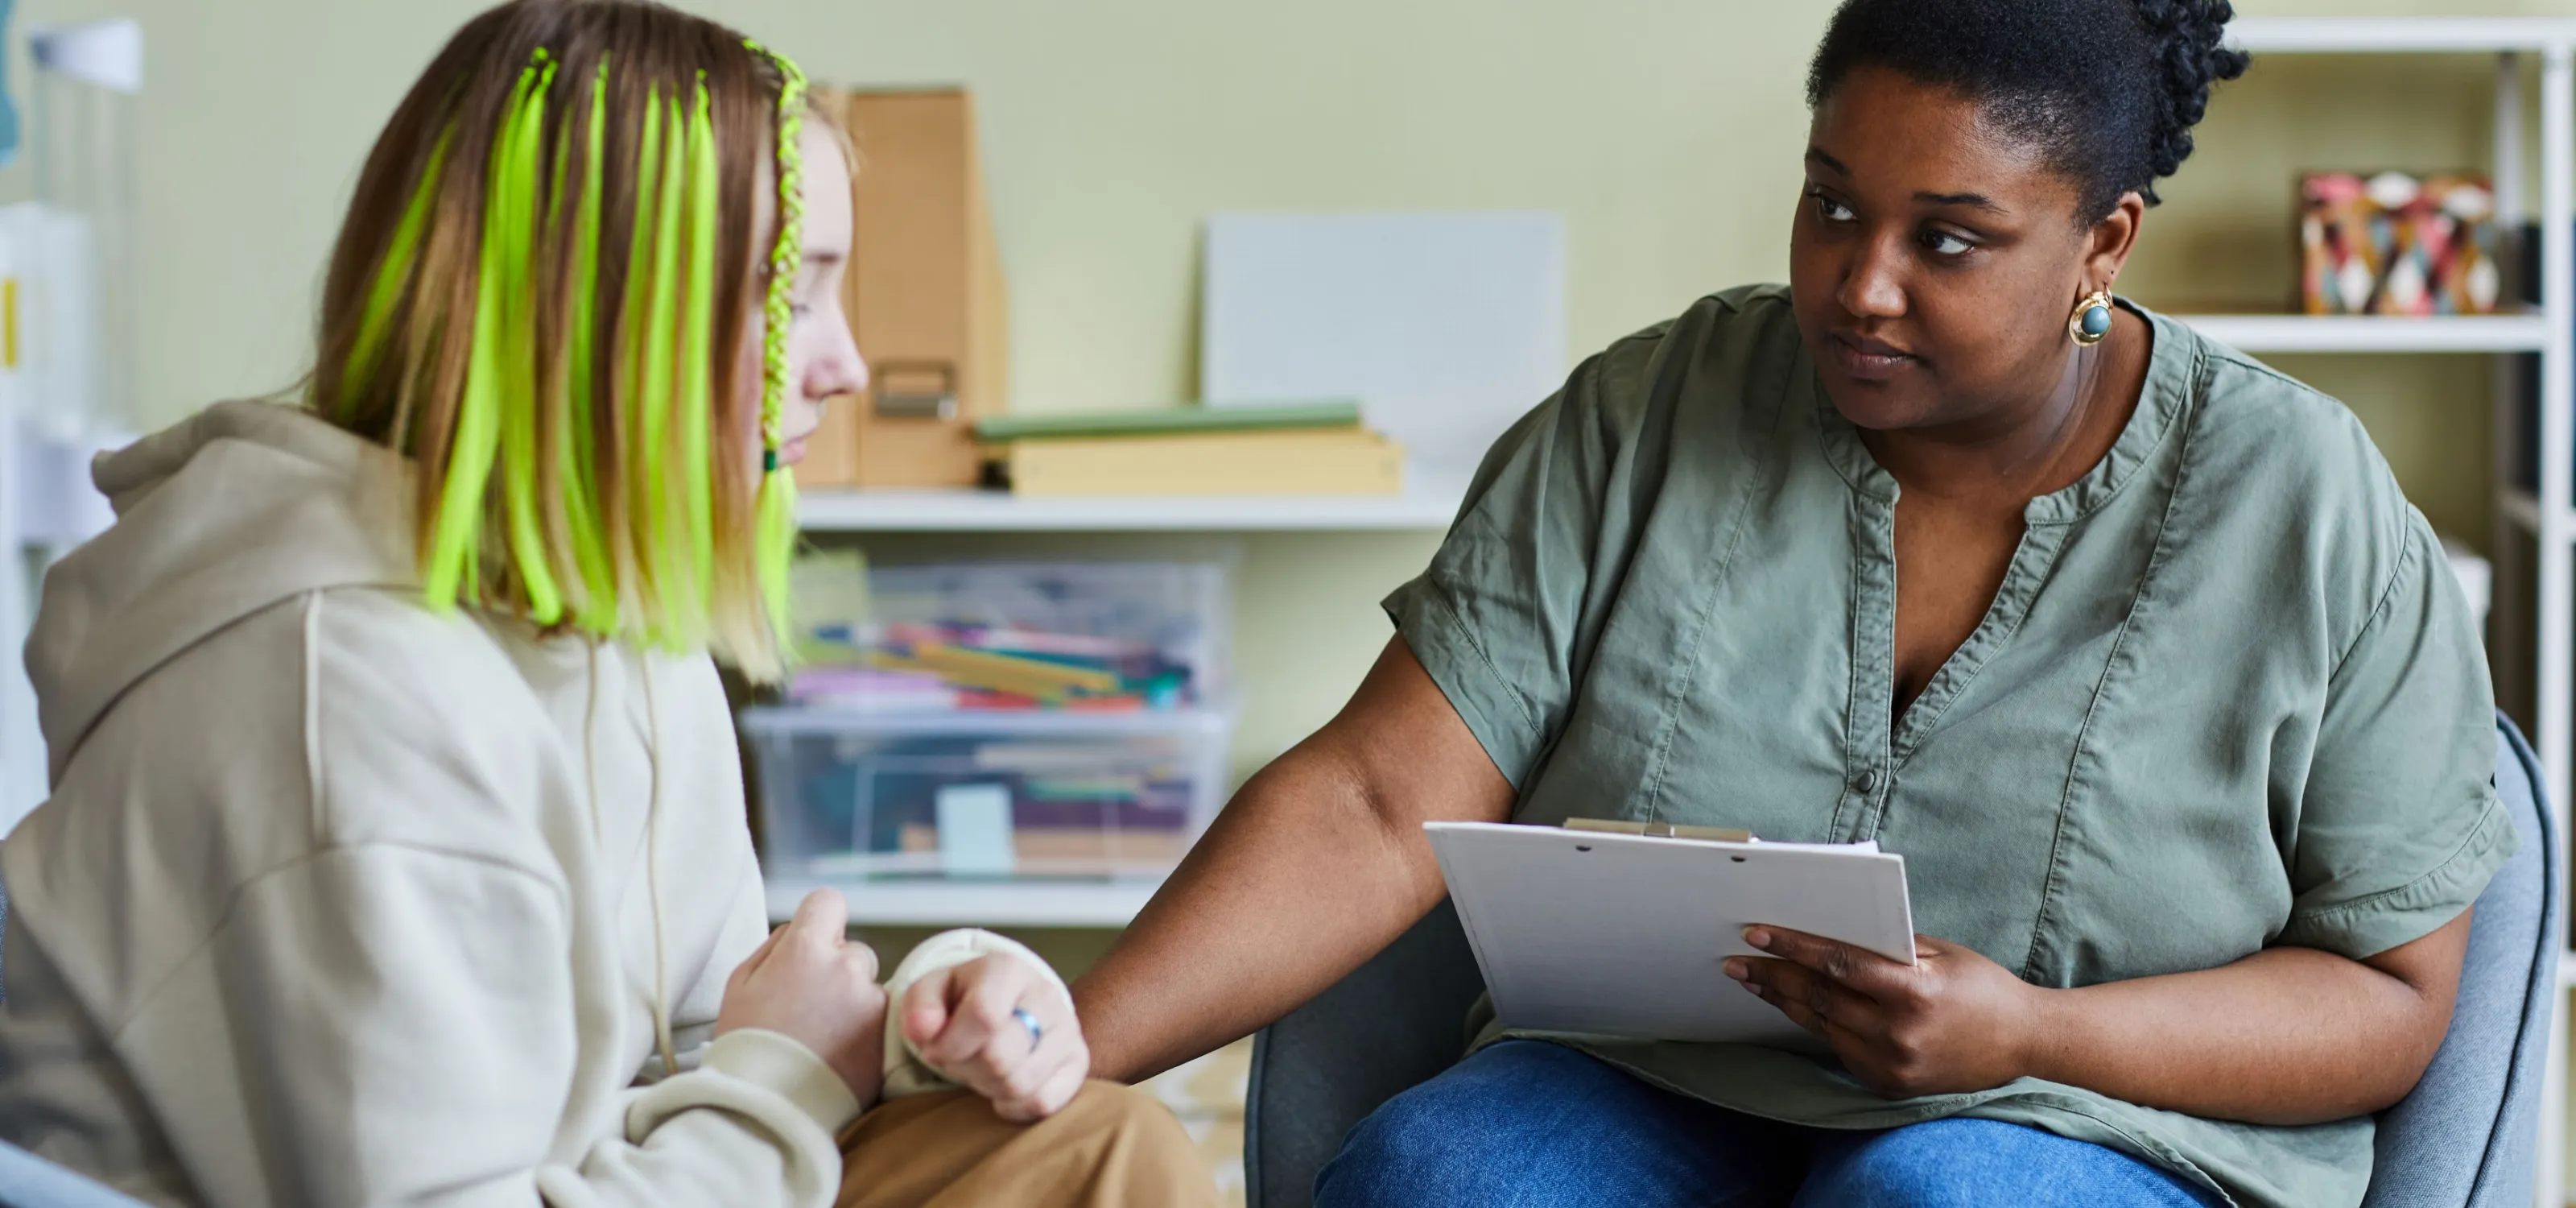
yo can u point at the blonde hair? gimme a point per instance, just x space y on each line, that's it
539 295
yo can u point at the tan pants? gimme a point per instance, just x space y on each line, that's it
1112 1147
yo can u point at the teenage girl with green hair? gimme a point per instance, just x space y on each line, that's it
396 851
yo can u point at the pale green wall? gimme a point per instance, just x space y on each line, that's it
1666 131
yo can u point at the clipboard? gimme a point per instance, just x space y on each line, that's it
1603 933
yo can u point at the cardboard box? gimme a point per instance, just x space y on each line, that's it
924 294
1324 461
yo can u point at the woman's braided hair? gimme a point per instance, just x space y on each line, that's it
2108 89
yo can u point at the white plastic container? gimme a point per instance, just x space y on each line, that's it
855 796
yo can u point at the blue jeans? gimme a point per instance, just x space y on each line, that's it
1534 1125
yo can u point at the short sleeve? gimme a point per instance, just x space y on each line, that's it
2399 826
1498 618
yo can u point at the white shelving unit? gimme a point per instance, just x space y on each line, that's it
1428 503
927 903
2550 331
2373 333
2399 35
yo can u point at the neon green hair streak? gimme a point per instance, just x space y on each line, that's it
509 255
578 457
499 376
650 331
384 294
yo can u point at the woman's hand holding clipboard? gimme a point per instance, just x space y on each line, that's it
1950 1021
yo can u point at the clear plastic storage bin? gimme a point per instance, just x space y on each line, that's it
1096 636
861 795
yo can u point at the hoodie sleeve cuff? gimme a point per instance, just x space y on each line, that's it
905 1072
781 1063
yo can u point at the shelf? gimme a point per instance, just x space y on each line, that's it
2402 35
975 904
1203 721
2373 333
2521 507
1428 503
2523 510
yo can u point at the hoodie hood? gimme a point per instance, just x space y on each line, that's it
242 506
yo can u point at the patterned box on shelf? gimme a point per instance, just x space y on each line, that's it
2398 244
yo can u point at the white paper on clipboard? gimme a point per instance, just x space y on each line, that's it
1627 935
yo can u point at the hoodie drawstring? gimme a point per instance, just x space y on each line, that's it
590 748
652 836
653 869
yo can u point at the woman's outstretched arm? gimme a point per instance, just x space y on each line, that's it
1319 862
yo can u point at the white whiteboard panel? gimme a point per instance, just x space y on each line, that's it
1445 326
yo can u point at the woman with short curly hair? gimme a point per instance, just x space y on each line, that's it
2129 645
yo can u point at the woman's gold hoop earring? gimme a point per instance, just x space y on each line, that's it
2092 319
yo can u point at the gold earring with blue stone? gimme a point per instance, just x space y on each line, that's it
2092 319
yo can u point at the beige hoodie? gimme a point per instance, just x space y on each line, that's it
341 902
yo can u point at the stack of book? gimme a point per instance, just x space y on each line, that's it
1307 449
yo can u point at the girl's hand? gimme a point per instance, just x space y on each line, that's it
1953 1021
961 1021
809 982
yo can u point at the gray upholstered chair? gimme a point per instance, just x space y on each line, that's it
27 1181
2463 1139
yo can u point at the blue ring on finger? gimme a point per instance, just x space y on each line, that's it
1036 1033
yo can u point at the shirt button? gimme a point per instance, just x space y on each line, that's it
1866 782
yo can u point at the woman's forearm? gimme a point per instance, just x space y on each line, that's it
2285 1036
1315 865
1297 883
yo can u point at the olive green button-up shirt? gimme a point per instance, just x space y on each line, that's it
2228 695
